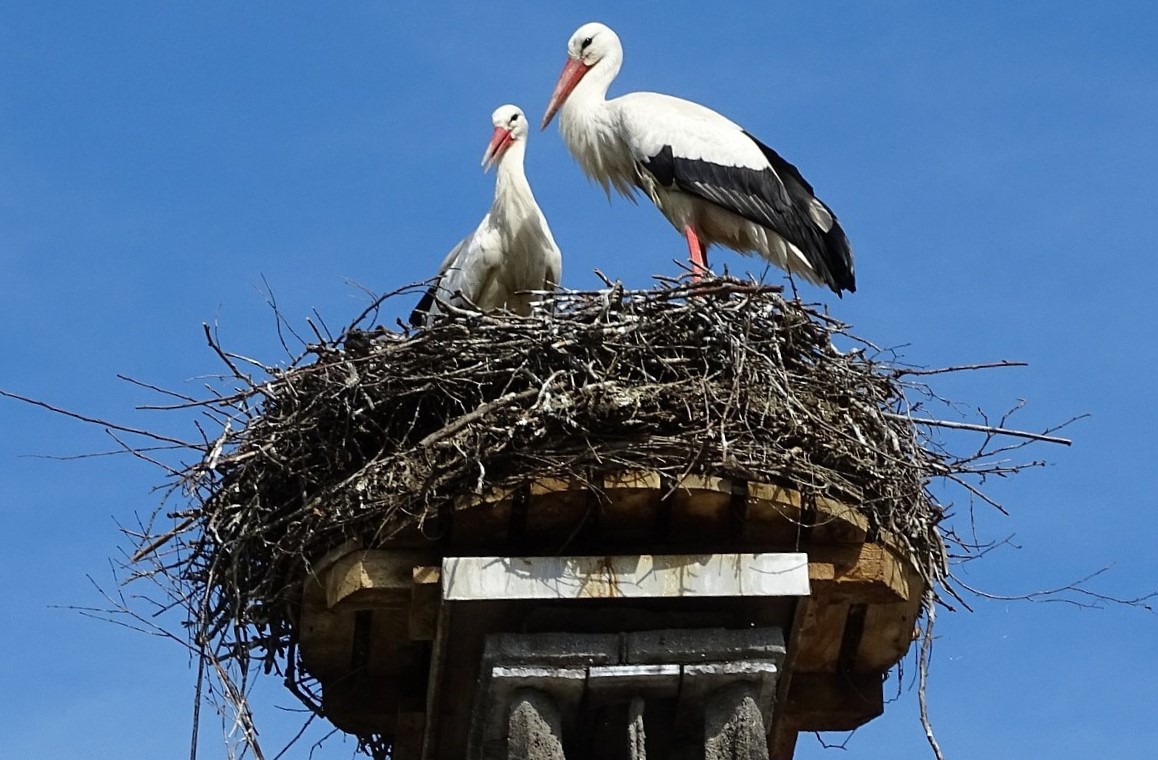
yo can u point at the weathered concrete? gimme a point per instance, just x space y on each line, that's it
665 576
686 674
572 650
618 683
563 687
533 730
554 650
733 726
636 737
705 645
706 678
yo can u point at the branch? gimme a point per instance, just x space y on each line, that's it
958 368
153 546
1056 595
923 672
98 421
980 428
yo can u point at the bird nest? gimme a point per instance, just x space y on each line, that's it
375 431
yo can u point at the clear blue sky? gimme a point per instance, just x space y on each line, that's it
994 163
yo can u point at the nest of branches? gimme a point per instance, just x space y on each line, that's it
371 432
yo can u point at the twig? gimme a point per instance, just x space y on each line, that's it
904 371
926 655
157 543
981 429
195 729
478 413
213 344
1057 594
97 421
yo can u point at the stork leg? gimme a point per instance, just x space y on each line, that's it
696 251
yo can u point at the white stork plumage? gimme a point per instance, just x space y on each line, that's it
712 180
512 250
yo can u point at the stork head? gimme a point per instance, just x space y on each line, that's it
590 46
510 127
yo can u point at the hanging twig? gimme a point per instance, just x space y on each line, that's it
926 658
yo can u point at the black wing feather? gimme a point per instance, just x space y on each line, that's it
421 313
836 251
778 198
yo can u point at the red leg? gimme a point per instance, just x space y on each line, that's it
696 251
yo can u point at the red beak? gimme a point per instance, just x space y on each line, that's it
572 73
500 141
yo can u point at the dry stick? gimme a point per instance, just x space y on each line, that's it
297 736
479 412
976 492
923 668
224 357
97 421
95 454
979 428
322 340
1058 594
376 303
278 318
217 400
197 692
154 388
158 543
485 409
958 368
237 699
139 454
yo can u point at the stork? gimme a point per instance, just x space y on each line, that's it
715 183
512 250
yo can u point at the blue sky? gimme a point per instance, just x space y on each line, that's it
994 164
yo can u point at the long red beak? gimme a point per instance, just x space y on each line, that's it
500 141
572 73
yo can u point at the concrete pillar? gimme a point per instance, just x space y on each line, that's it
636 738
733 727
533 728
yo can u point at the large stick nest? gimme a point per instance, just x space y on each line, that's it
374 431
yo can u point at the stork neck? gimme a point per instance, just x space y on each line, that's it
592 88
585 119
511 179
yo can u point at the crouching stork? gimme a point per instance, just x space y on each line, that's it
512 250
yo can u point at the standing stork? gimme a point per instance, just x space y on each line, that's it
512 250
711 179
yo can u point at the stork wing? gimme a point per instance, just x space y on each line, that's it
826 242
554 275
466 273
685 145
426 306
553 257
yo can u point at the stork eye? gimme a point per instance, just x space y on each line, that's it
586 44
514 118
